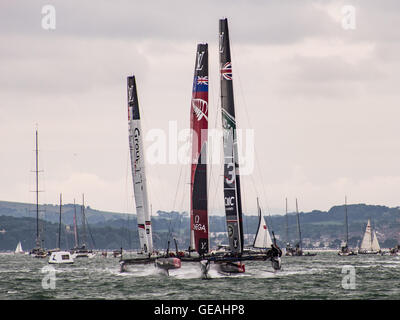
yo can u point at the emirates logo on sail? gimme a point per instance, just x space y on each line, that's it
200 108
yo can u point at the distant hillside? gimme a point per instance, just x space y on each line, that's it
50 212
111 230
328 227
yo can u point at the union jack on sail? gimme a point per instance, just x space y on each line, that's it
202 80
226 71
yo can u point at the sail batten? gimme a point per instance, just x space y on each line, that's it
138 168
232 196
199 127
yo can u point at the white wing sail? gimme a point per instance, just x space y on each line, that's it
138 169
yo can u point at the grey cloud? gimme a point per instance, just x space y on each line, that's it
64 64
258 21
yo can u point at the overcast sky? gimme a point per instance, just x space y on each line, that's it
321 97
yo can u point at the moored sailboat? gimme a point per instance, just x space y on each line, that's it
82 251
344 250
58 256
49 252
38 251
289 250
298 251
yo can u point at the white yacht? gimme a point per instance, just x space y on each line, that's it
61 257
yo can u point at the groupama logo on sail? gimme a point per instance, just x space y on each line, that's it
137 147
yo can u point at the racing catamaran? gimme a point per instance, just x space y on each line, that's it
232 198
140 189
231 260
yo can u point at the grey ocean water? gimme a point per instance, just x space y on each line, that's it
305 278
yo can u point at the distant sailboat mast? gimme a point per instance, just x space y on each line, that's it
38 242
199 128
84 222
287 223
75 228
347 223
298 225
59 225
38 251
232 196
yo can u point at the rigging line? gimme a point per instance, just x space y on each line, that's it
217 183
184 190
216 177
212 174
181 207
173 204
250 124
90 233
217 117
150 191
127 197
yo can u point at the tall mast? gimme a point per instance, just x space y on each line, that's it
83 221
138 168
38 243
347 223
38 231
287 223
75 228
199 129
233 205
59 225
298 225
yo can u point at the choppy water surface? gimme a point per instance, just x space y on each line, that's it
318 277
